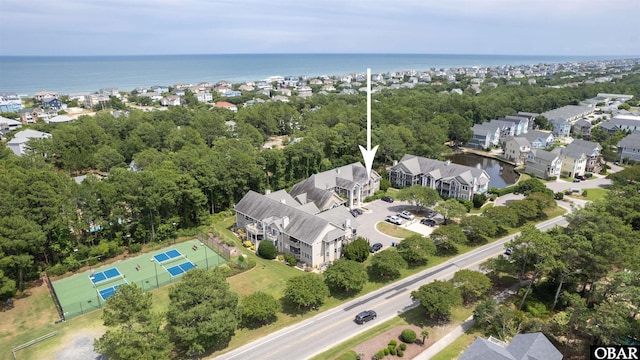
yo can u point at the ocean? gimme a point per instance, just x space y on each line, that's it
27 75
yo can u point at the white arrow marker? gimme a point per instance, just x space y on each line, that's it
368 154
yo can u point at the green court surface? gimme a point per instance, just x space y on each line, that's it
78 295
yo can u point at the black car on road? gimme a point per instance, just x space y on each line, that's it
428 222
388 199
375 247
365 316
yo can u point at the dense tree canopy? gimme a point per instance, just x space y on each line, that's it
203 313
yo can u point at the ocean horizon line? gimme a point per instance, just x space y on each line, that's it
26 74
603 56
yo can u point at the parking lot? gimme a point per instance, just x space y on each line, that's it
377 211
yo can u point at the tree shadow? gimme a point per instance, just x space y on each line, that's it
292 309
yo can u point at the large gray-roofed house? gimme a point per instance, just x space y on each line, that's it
449 179
629 147
591 151
533 346
325 188
314 239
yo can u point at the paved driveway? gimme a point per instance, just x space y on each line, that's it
595 182
377 211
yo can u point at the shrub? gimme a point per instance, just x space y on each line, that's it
267 250
380 354
402 346
393 342
408 336
479 200
559 195
386 351
467 204
247 244
584 192
57 270
400 353
135 248
392 351
291 260
552 178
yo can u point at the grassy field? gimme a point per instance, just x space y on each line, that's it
454 350
34 315
592 194
394 230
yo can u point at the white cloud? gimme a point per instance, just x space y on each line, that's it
285 26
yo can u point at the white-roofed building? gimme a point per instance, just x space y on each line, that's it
19 142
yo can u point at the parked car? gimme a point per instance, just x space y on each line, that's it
576 180
508 251
394 220
356 212
407 215
431 213
375 247
365 316
388 199
428 222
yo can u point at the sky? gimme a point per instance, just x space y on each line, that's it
150 27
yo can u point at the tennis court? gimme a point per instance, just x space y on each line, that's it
105 275
88 291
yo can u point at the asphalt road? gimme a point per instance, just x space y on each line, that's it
327 329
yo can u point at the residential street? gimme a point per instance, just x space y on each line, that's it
329 328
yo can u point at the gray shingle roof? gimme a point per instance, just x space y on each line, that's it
416 165
534 135
578 147
567 112
306 227
534 346
631 141
483 349
318 188
544 155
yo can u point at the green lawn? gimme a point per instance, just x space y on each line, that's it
592 194
456 348
268 276
394 230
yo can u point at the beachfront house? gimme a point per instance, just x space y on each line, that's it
226 105
329 189
10 102
449 179
629 148
204 96
315 238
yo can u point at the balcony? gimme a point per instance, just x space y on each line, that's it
254 229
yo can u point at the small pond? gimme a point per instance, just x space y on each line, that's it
501 174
